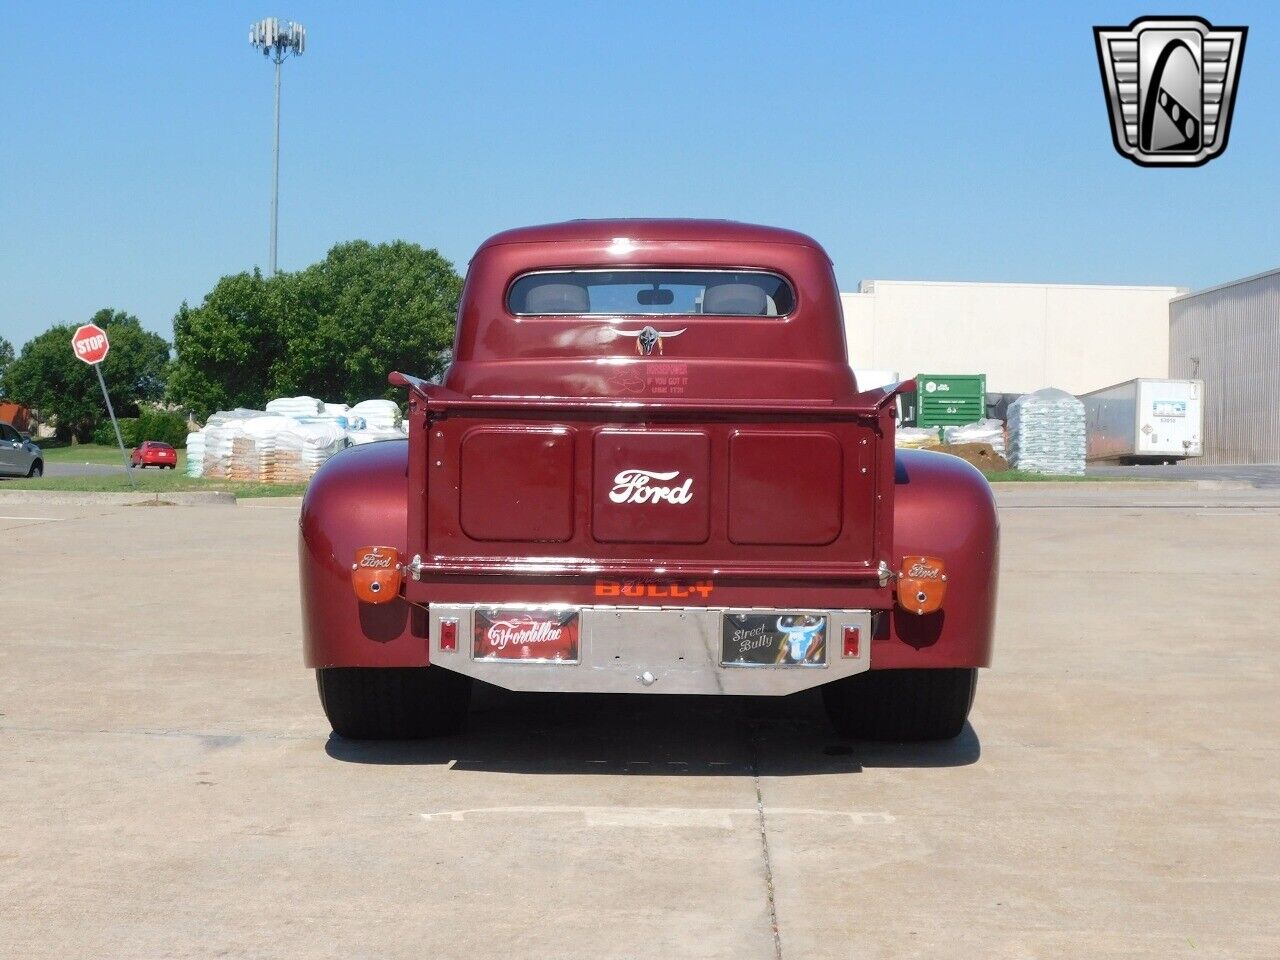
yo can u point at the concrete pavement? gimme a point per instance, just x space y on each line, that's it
170 788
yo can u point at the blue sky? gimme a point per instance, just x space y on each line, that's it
914 141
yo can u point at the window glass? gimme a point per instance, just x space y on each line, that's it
722 293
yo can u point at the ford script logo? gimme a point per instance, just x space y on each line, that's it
638 486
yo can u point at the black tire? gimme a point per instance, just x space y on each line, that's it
394 703
36 471
901 704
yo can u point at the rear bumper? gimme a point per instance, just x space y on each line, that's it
650 650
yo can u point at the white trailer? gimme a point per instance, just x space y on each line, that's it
1145 421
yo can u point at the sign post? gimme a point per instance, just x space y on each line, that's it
91 345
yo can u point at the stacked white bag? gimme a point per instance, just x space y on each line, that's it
913 438
984 431
253 457
195 454
372 420
1046 433
300 449
220 434
295 407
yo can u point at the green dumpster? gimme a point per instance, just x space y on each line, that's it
950 399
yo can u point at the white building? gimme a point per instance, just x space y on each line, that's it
1229 337
1023 336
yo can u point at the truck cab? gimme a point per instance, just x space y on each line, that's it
649 469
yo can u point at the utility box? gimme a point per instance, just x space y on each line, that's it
950 399
1145 421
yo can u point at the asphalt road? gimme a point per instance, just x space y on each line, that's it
81 469
1255 474
170 788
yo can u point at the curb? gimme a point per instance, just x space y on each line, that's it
141 498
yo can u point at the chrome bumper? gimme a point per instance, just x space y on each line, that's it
651 650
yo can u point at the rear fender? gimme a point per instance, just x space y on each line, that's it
943 507
358 498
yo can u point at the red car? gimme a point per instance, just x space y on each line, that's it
153 453
649 469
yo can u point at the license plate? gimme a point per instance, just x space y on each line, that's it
525 636
773 640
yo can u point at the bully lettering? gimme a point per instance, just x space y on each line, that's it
637 486
655 590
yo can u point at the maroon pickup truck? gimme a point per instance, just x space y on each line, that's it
649 469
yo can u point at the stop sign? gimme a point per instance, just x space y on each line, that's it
90 343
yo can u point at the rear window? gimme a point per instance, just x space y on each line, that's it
720 293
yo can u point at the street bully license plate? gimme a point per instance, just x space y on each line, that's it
527 636
773 640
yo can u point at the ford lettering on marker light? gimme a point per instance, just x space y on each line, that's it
636 486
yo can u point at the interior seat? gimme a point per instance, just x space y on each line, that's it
735 300
557 298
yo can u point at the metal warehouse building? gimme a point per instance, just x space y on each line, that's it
1023 336
1229 337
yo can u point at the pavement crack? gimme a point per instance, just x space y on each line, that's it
764 843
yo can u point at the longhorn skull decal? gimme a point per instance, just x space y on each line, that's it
647 338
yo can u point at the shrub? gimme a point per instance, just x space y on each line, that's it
103 433
163 425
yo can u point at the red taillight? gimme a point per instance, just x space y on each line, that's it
449 635
852 641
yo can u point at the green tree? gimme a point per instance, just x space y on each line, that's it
334 330
227 346
362 312
48 378
6 358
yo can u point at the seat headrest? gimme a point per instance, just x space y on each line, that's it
735 299
556 298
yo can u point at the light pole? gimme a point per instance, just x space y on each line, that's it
277 39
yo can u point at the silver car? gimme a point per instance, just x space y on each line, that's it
19 457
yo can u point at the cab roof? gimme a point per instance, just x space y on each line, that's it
651 230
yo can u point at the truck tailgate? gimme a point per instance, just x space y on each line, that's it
749 496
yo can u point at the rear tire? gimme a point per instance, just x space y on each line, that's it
393 703
901 704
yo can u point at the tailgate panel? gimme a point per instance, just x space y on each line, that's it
516 484
785 487
750 497
651 486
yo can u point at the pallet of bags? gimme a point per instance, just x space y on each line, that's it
243 465
220 433
990 432
300 450
914 438
195 454
1047 433
264 431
